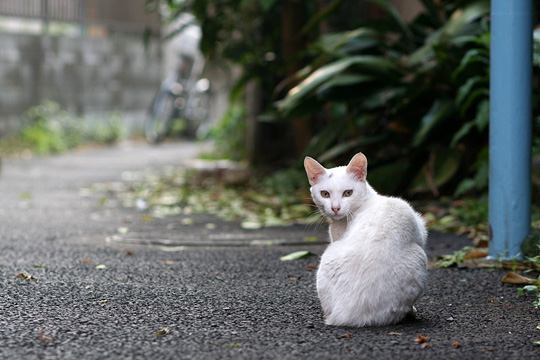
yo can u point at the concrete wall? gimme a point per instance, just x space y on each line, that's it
85 75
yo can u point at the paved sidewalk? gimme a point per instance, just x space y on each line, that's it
121 299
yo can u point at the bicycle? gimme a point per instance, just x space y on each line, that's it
180 96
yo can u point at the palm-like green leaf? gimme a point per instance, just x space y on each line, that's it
480 122
440 110
536 41
320 15
461 18
462 132
466 91
456 26
267 4
343 80
377 66
344 43
442 166
473 57
482 115
345 147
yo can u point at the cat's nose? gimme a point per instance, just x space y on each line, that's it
336 209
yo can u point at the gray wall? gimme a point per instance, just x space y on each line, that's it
85 75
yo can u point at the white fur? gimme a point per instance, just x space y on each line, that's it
375 267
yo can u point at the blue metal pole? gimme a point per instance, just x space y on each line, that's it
510 126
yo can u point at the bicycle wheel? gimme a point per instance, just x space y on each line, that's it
157 122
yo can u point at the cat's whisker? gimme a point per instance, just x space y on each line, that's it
315 225
349 216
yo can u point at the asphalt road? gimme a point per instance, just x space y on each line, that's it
98 299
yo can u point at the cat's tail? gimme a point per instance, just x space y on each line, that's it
422 229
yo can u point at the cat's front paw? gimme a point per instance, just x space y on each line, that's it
411 315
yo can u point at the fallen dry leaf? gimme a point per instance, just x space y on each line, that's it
122 230
482 243
87 261
421 339
475 253
456 344
517 279
187 221
346 336
147 218
162 331
25 276
523 265
494 264
311 267
43 338
168 262
251 225
129 253
293 279
425 345
296 255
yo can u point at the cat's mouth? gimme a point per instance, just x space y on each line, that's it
337 217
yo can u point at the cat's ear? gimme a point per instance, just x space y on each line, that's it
358 166
314 170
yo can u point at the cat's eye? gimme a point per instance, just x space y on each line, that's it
347 193
325 194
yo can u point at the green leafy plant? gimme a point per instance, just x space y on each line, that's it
107 130
532 290
456 258
229 133
412 95
48 129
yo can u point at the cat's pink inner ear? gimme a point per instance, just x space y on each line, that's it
358 166
314 170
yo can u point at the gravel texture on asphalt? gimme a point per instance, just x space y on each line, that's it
95 299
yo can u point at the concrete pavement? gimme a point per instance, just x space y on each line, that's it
124 298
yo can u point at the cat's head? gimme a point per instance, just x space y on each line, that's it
339 191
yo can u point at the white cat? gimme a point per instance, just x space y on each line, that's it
375 267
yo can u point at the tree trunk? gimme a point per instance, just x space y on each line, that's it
253 109
293 42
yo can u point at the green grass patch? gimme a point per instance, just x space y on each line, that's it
48 129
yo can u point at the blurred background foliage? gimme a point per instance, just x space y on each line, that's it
412 95
49 129
329 81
